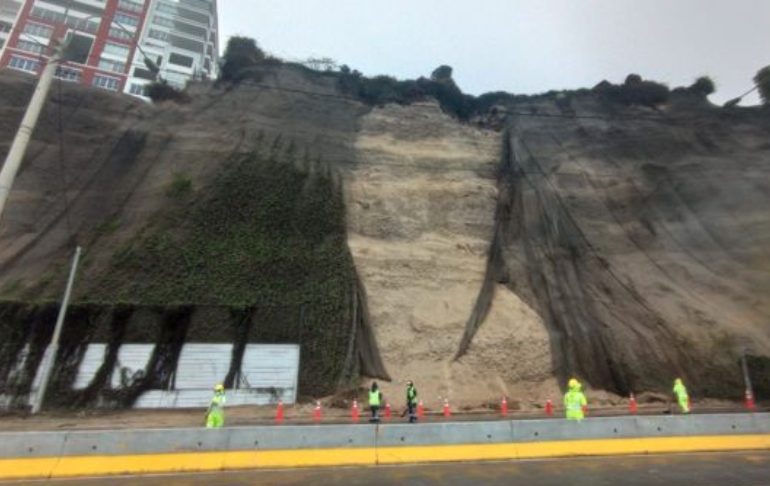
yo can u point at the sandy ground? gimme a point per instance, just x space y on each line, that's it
421 204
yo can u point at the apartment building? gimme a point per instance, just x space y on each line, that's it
112 40
9 10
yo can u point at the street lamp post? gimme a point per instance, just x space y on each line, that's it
24 134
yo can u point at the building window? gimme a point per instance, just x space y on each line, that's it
187 44
160 35
131 6
68 74
38 30
191 30
163 21
49 15
180 60
167 8
28 46
5 26
128 20
106 82
144 74
137 89
79 48
110 65
91 26
24 64
118 33
117 50
199 4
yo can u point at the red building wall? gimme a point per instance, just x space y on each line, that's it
100 39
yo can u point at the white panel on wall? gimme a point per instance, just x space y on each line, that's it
268 373
92 361
132 359
201 366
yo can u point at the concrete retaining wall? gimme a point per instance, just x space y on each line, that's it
388 435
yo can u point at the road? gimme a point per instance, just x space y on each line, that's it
733 469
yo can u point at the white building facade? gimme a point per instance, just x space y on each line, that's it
181 38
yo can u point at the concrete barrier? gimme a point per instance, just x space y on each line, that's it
79 453
401 435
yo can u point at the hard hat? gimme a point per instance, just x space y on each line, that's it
219 387
573 383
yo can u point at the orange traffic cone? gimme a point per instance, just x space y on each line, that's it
504 407
632 404
447 411
420 410
750 406
317 411
548 407
354 411
388 411
279 412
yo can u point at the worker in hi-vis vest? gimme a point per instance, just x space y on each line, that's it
681 395
215 415
575 401
411 401
375 399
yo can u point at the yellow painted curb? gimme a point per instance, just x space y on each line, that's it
45 467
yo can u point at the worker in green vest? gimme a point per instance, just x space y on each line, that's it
575 401
375 400
215 415
681 395
411 401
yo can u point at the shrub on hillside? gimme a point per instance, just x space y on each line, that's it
162 91
380 90
634 92
704 86
762 80
241 56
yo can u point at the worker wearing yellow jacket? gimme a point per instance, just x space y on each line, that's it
681 395
215 415
575 401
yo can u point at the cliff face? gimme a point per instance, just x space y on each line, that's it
640 240
581 241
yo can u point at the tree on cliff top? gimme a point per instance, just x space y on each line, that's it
241 54
762 79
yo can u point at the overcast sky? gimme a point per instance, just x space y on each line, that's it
520 46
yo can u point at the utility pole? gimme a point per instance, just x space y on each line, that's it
53 348
746 376
20 142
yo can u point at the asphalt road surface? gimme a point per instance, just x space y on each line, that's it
733 469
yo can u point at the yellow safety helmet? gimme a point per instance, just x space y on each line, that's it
573 383
220 387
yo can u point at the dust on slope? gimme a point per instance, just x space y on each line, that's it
421 203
